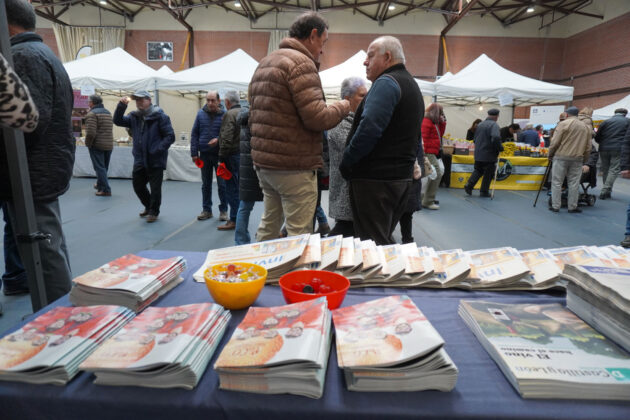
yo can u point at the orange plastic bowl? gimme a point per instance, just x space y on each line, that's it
235 295
338 283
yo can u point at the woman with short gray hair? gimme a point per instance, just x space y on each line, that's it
354 90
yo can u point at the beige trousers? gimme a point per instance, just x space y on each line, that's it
289 196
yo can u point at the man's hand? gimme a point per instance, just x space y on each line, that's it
125 100
213 141
194 159
586 169
625 174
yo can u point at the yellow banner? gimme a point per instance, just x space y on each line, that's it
515 172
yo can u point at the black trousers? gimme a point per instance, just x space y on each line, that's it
487 170
377 206
151 200
405 227
342 227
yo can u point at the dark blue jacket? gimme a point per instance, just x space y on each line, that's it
206 127
50 148
152 135
487 141
530 137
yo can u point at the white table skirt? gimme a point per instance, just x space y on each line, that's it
179 166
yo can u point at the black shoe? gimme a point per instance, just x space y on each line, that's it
626 242
436 202
145 213
468 189
576 210
15 290
554 210
484 194
152 218
604 195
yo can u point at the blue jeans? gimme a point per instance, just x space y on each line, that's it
232 164
100 162
210 164
627 221
241 234
14 276
320 215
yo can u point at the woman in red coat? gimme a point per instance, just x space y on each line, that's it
433 126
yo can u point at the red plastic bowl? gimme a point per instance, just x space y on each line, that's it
338 283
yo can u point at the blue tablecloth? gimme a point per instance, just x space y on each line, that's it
481 392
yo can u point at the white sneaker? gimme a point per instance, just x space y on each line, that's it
224 216
432 206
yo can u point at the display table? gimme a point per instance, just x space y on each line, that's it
482 392
179 166
515 172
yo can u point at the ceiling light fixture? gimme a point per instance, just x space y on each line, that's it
480 107
103 2
530 9
391 7
237 4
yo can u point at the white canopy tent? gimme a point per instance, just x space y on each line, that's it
111 70
164 70
484 81
233 71
333 77
609 110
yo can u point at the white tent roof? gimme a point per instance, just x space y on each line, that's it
114 69
233 71
609 110
164 70
333 77
483 80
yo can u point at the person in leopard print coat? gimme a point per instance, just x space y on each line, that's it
17 109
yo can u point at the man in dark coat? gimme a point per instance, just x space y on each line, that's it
152 136
99 139
610 137
383 143
249 187
204 145
229 154
487 148
49 149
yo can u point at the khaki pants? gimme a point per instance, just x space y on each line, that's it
432 184
289 196
572 170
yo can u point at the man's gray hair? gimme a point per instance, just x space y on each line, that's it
232 96
96 99
350 85
391 44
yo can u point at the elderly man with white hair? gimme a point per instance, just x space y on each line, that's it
529 136
229 154
383 143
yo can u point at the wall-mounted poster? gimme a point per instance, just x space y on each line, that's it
159 51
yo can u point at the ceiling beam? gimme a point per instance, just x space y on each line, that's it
453 21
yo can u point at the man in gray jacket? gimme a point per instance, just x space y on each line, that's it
610 138
100 142
487 148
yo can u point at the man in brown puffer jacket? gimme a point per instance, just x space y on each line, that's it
100 142
287 116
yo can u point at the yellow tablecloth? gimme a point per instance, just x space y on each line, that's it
515 172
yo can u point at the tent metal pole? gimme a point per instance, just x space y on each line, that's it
24 223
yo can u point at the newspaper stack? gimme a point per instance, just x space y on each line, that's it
330 250
543 268
580 255
49 349
279 350
130 281
161 348
545 351
278 256
389 345
601 297
497 268
451 269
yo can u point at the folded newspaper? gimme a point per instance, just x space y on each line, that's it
388 345
161 348
279 350
545 351
601 297
130 281
49 349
